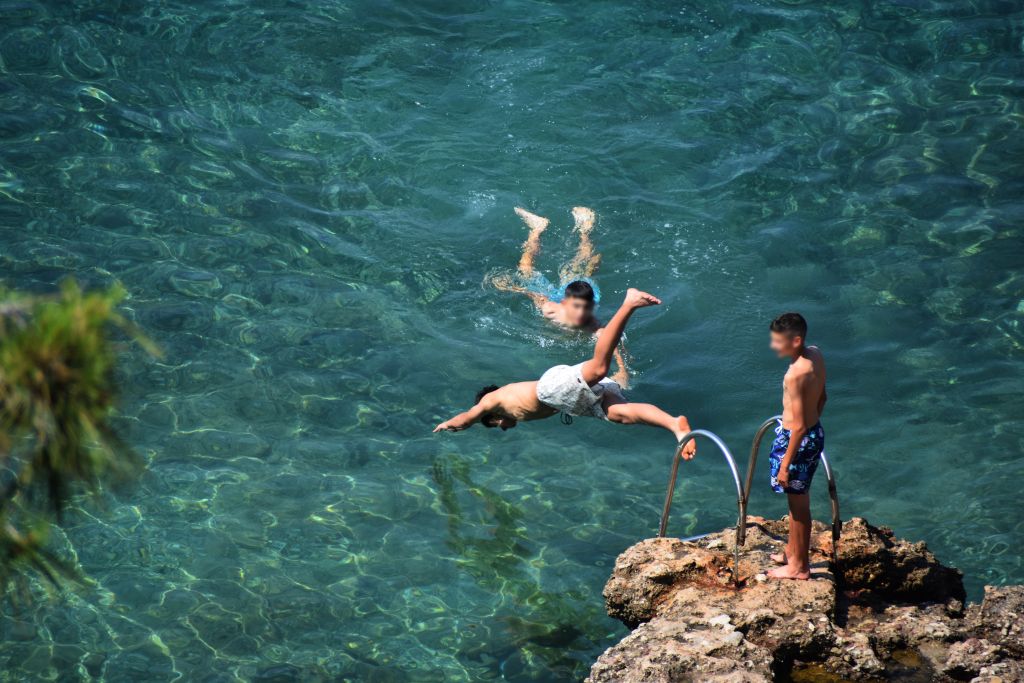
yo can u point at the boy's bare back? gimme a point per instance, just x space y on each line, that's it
518 401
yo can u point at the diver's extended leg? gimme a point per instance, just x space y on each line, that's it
626 413
647 414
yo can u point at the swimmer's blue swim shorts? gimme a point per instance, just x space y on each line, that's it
805 462
538 284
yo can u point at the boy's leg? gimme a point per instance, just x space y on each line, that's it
585 262
531 246
800 530
798 563
596 369
647 414
621 376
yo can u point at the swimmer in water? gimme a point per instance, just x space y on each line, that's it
578 390
572 303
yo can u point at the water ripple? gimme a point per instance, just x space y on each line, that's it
304 199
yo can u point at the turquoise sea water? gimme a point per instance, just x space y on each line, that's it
304 198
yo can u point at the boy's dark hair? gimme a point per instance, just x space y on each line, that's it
483 392
790 323
487 419
580 290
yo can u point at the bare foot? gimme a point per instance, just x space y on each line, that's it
789 572
584 219
638 299
681 430
778 558
534 222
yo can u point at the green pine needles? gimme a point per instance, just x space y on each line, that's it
57 396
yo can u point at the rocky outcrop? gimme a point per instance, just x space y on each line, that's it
893 569
1000 618
887 610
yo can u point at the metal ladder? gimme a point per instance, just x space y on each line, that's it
741 518
743 490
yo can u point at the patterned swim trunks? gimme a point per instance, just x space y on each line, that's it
805 462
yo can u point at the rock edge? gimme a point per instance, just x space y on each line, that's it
891 611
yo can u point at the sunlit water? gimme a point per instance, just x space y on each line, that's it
304 199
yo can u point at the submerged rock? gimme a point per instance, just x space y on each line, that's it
887 610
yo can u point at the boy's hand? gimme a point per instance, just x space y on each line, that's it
445 426
783 476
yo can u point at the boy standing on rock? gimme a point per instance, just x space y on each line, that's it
800 438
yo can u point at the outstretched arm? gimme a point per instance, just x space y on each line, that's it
461 421
469 418
596 369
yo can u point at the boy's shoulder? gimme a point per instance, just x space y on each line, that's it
801 367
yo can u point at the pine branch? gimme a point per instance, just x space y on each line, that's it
57 397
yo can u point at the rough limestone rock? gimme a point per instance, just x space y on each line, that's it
1003 672
968 658
1000 617
667 650
653 570
889 609
892 569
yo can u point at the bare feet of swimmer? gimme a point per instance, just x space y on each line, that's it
789 571
532 220
584 218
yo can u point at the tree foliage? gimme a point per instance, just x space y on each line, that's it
58 357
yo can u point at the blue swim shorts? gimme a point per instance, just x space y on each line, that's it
805 462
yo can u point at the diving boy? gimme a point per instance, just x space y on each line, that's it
578 390
572 303
797 448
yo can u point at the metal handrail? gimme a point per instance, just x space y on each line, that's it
749 481
837 523
735 475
